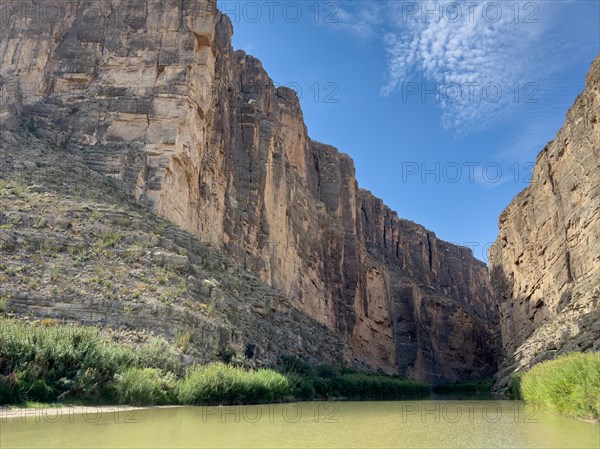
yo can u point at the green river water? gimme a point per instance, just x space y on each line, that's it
407 424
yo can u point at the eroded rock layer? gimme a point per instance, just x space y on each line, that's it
75 247
152 94
545 265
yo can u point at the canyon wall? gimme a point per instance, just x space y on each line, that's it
545 265
74 247
152 94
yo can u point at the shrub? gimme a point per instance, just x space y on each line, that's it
514 386
278 385
48 322
295 365
355 386
158 354
144 386
48 355
37 390
302 387
568 385
327 371
3 303
9 390
323 388
473 386
182 340
217 383
372 386
60 361
50 363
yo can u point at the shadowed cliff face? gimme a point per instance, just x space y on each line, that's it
545 265
152 94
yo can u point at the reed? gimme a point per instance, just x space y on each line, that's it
568 385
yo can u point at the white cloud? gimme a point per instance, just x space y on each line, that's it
362 19
480 60
474 64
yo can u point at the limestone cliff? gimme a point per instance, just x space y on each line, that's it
75 247
152 94
545 265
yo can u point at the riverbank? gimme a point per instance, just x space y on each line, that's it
53 411
568 385
55 363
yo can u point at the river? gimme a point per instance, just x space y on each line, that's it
398 424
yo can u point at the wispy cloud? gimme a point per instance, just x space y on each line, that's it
476 64
481 59
361 19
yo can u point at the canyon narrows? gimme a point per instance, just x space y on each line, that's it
545 265
152 95
276 249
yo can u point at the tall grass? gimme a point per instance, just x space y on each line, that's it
223 384
568 385
145 386
54 363
40 363
217 383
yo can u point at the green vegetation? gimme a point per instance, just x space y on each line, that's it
218 383
3 303
514 386
140 386
50 362
475 388
568 385
328 382
368 386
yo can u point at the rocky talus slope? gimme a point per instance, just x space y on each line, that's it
152 95
74 246
545 265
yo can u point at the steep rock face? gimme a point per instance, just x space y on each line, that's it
152 94
545 265
75 247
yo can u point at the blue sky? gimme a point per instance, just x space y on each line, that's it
442 105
